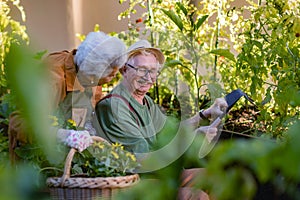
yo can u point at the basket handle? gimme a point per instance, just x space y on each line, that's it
68 162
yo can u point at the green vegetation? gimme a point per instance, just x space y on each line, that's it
105 160
12 32
258 54
254 48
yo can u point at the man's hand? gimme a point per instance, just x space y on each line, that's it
218 109
79 140
211 130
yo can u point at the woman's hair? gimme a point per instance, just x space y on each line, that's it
97 55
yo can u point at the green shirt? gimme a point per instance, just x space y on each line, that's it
126 121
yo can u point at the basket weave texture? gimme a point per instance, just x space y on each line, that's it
84 183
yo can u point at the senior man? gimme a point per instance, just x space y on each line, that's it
130 117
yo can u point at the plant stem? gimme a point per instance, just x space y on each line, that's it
217 40
151 20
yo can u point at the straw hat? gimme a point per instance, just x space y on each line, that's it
144 44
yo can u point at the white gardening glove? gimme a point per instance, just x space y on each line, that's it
89 127
211 130
79 140
218 109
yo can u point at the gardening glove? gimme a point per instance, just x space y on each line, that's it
210 131
89 127
218 109
79 140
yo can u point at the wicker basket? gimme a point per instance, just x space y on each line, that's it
71 187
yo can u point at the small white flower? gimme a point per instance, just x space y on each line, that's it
234 17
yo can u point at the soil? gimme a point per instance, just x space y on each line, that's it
241 123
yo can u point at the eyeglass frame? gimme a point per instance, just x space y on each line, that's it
148 71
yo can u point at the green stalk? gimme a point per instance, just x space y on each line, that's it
151 20
217 40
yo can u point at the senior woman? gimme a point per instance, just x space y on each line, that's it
74 77
95 62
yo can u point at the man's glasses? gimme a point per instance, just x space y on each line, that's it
140 71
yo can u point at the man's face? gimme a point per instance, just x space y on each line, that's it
108 78
142 74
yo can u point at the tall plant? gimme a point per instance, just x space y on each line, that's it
11 32
254 47
177 27
267 65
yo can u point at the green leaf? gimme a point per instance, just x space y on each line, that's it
268 97
77 169
224 52
172 63
181 6
27 79
200 22
174 18
258 44
39 55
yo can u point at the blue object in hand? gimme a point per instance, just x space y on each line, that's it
234 96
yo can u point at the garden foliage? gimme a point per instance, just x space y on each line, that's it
255 48
211 47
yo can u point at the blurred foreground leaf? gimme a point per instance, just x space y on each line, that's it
28 80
